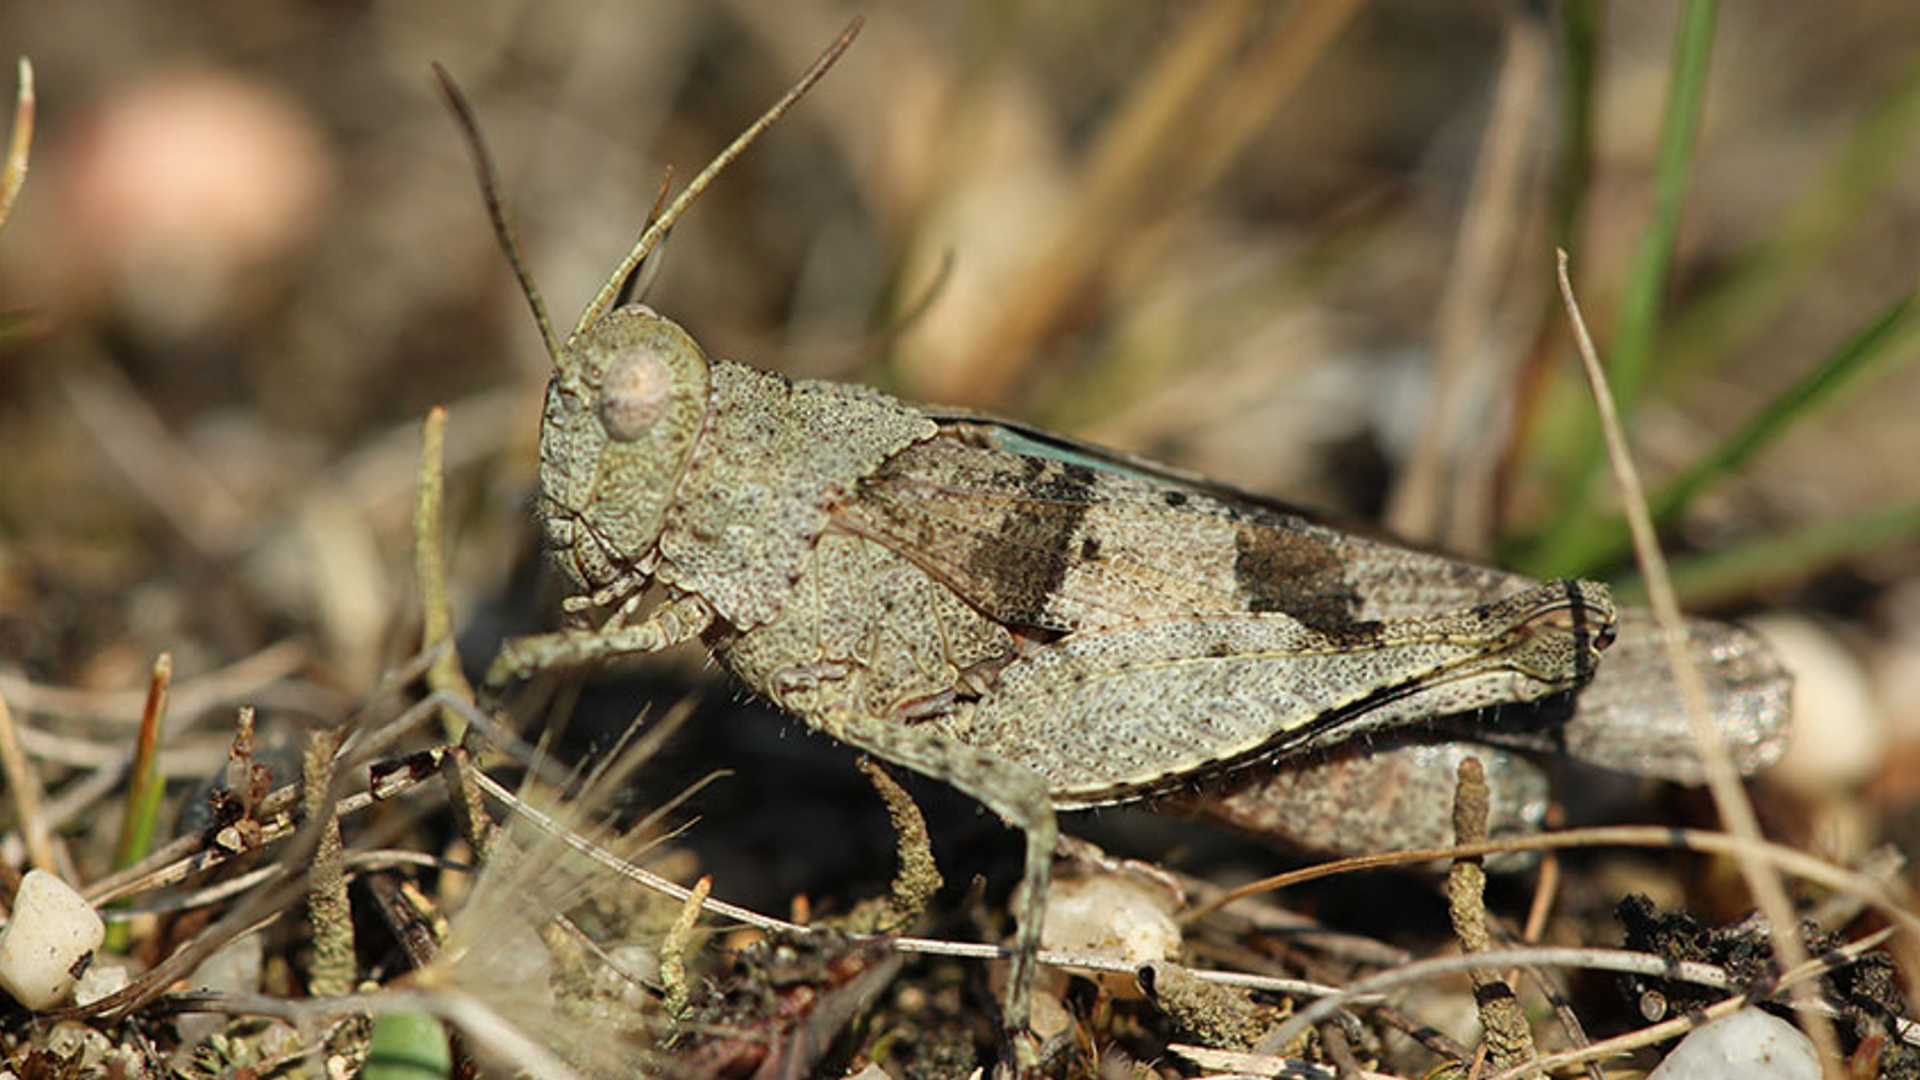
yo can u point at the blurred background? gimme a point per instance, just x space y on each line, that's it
1306 249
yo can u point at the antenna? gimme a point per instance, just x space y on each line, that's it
657 229
490 191
641 279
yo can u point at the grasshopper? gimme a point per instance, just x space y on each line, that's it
1042 625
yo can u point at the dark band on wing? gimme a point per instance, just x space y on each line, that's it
1283 570
1042 529
1060 545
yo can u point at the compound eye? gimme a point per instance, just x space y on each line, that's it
634 394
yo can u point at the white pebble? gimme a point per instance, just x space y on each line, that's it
51 931
101 980
1111 915
1749 1045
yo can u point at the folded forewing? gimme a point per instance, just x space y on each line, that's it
1111 714
1063 545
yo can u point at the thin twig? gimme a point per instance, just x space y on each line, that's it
1890 897
189 855
184 855
78 796
1234 1065
1546 890
112 754
377 859
1723 780
262 906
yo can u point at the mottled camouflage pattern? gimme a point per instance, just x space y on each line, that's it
1036 632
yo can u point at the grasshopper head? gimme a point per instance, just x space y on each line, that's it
624 408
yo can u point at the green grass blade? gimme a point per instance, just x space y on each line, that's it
1630 356
1639 326
140 819
1869 352
1888 338
1716 578
1733 306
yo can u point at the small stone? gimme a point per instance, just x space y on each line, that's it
1111 915
81 1050
234 968
53 930
100 980
1050 1018
1749 1045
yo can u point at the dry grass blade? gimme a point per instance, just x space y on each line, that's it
175 480
23 786
1723 780
1891 898
1150 158
430 561
14 174
1445 492
1235 1065
191 699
